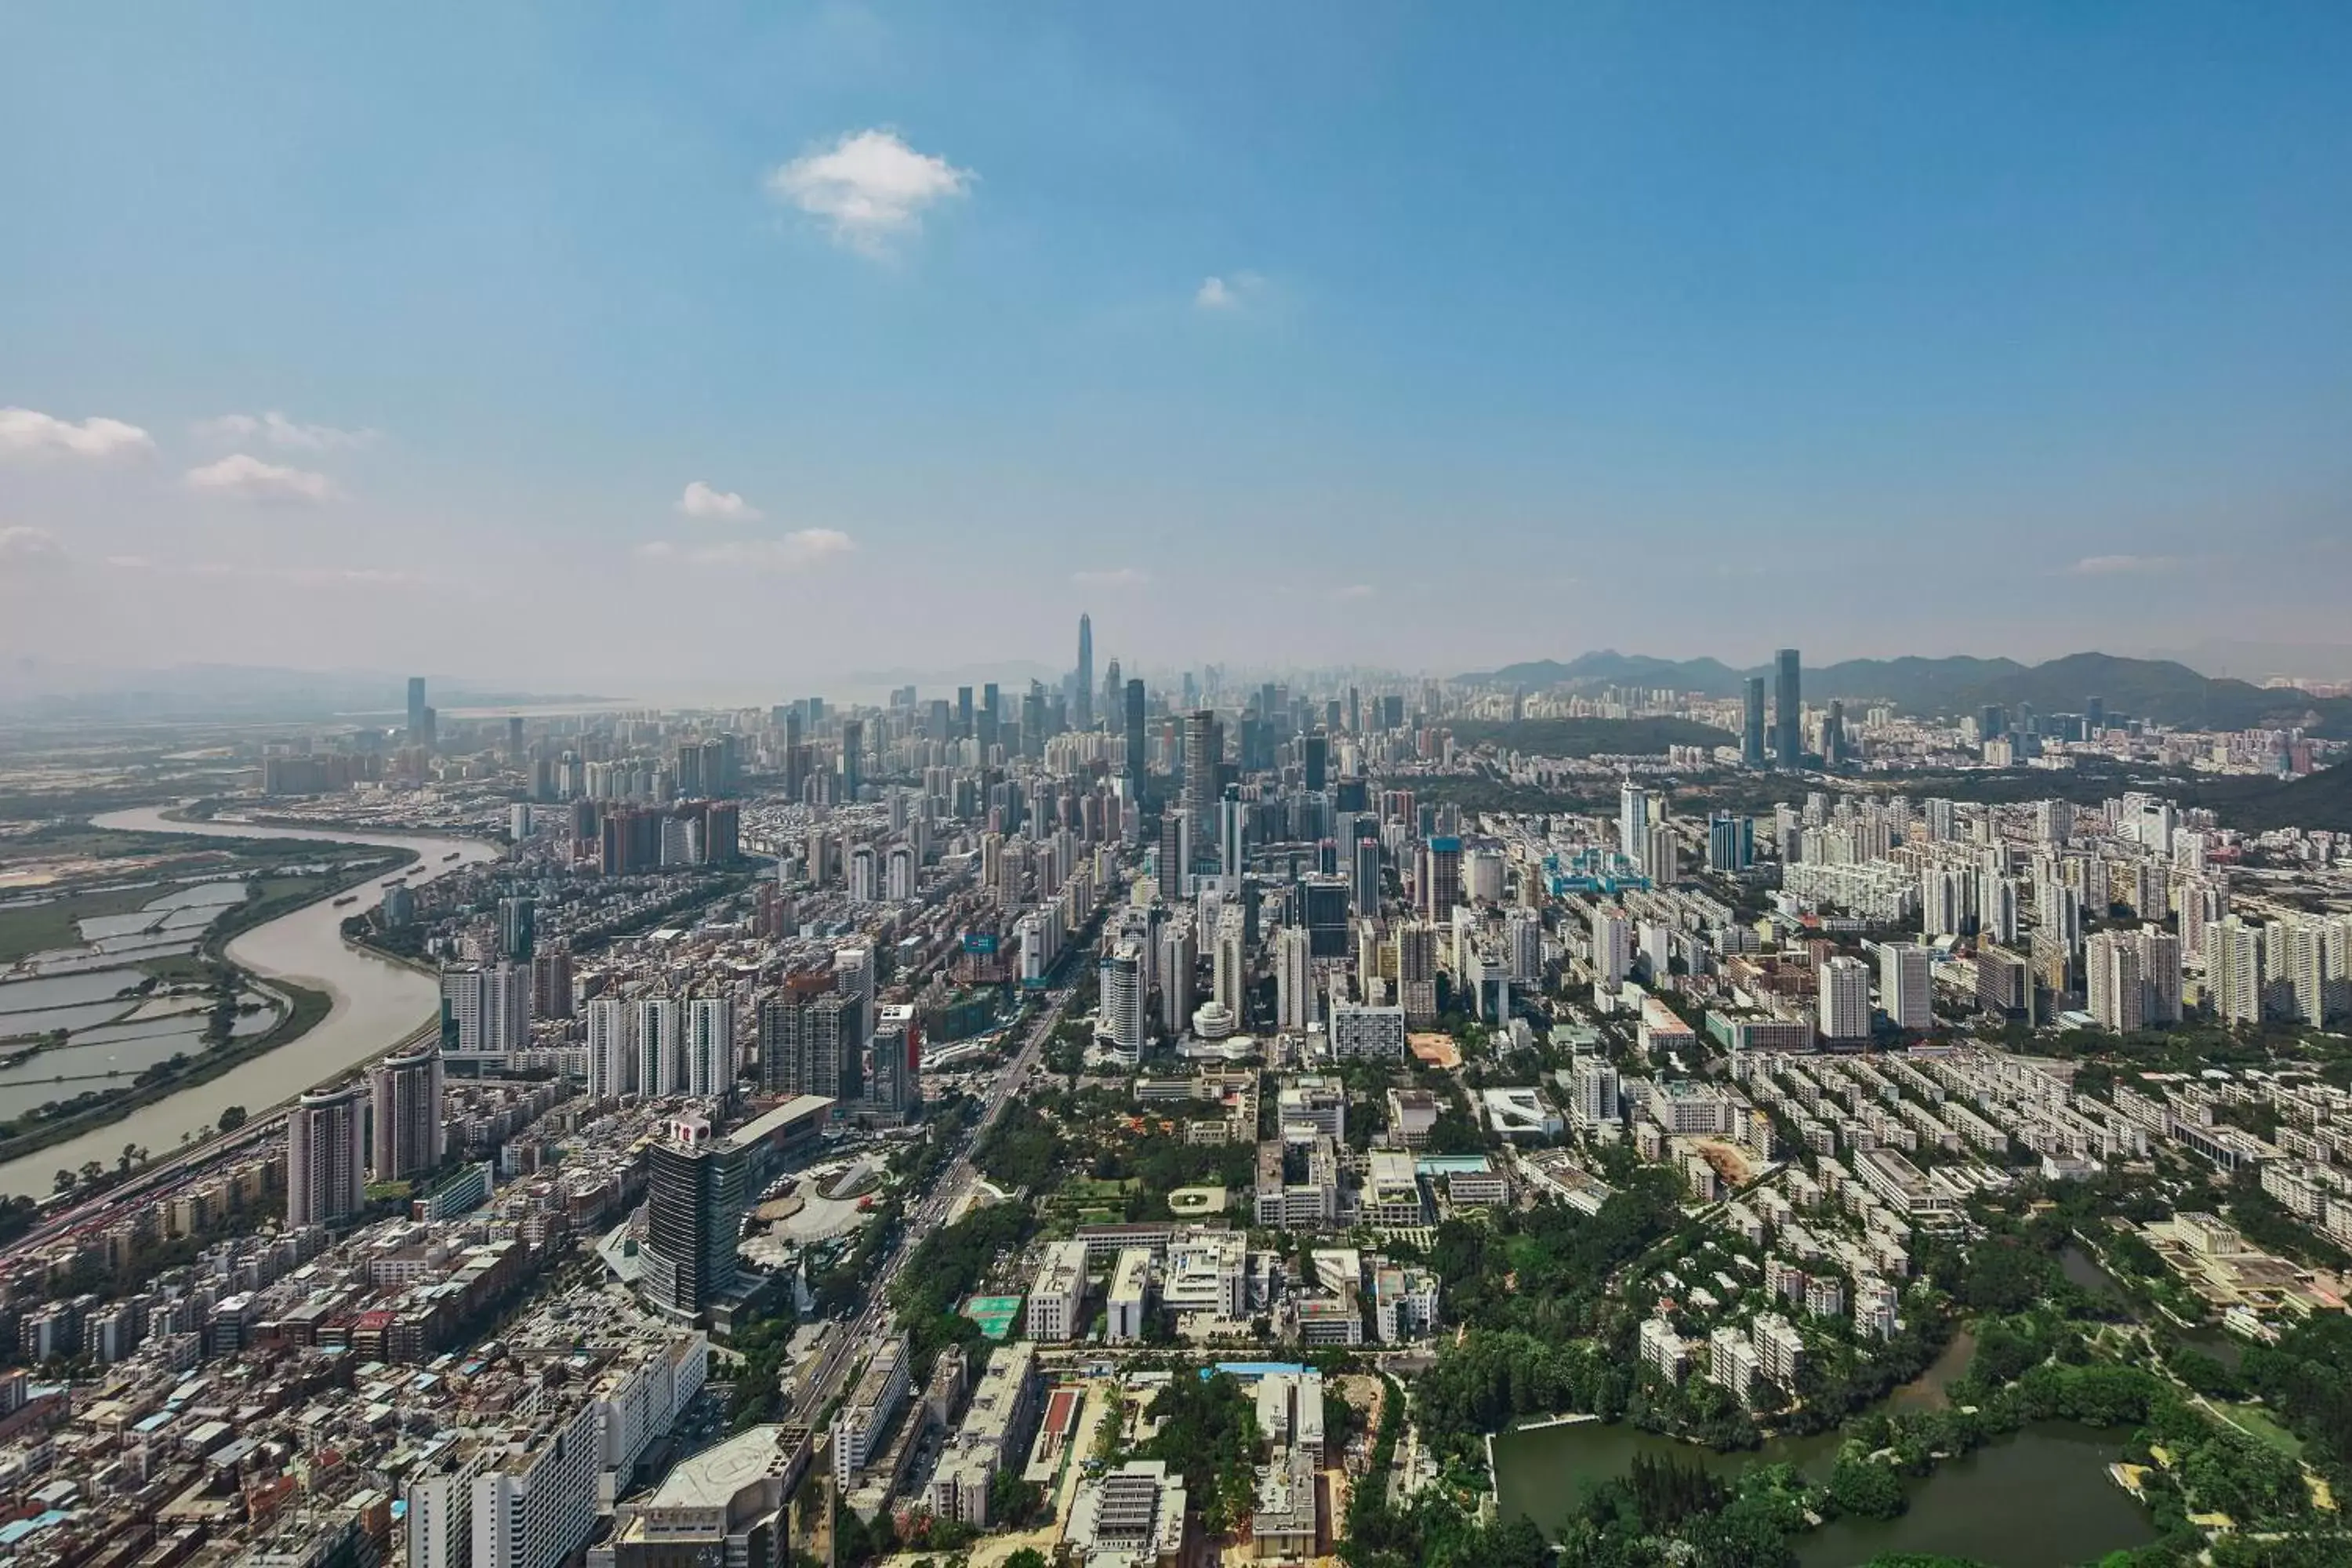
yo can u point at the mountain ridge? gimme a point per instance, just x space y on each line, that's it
2160 689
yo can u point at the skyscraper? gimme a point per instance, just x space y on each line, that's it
1135 738
709 1047
325 1181
405 1093
1204 749
1751 729
1082 700
1903 986
694 1209
416 709
1788 711
1845 999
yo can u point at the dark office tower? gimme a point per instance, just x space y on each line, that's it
784 1045
1033 721
1332 715
1082 710
1833 736
689 772
416 710
1205 748
551 983
796 728
1991 723
963 712
853 758
518 927
1364 878
936 726
991 719
1392 711
836 1039
1254 743
1324 902
718 765
1319 761
1788 711
514 740
1751 727
404 1103
1173 852
694 1207
1355 712
2095 714
1135 738
1441 877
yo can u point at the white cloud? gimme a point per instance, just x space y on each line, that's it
1355 590
28 432
868 188
1230 291
716 506
803 547
280 431
2123 565
24 549
1111 577
247 477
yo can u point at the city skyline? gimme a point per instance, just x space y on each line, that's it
825 316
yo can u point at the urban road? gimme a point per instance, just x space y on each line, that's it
926 1217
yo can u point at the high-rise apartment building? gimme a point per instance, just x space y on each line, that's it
1903 984
404 1099
2114 989
1845 1000
612 1050
709 1047
326 1176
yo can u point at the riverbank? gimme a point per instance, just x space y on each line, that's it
305 1008
371 1004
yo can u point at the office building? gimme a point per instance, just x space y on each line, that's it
1056 1293
1135 746
1120 1020
1294 979
326 1176
694 1209
1082 694
404 1099
1788 711
1751 727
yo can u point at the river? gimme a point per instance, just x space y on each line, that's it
2040 1499
376 1002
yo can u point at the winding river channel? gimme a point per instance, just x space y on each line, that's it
376 1002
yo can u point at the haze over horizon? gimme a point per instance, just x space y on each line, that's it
673 353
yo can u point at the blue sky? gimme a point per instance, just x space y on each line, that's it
1426 336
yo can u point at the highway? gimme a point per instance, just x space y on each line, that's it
926 1215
